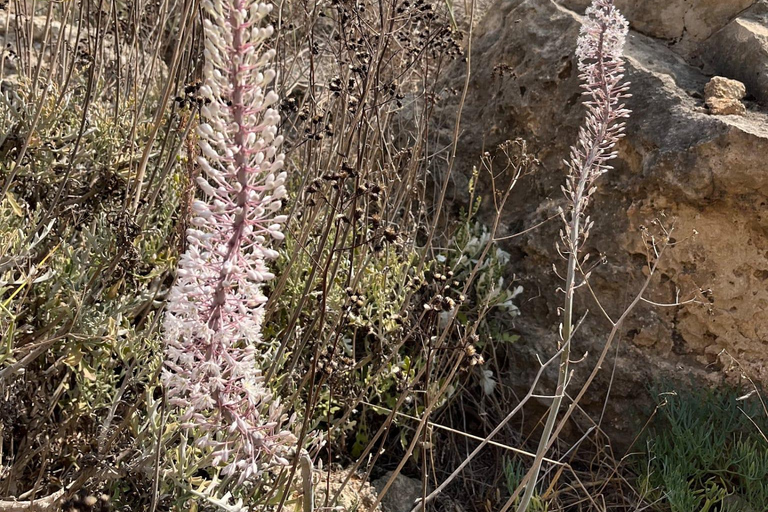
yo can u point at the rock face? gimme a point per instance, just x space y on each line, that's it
45 39
740 50
682 23
702 177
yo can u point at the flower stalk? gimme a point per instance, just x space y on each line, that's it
215 309
599 53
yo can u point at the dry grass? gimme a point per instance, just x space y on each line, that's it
391 312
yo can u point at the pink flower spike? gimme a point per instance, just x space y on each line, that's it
599 51
216 307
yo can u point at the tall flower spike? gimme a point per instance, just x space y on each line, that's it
599 53
215 309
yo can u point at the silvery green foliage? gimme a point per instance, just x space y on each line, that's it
490 289
215 310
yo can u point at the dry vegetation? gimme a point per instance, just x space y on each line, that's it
390 325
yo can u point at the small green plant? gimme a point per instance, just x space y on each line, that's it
514 471
706 450
491 298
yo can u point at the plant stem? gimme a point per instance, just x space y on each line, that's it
580 199
562 376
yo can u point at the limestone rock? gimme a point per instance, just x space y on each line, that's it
740 50
678 166
723 96
357 494
110 58
726 107
683 23
401 496
725 88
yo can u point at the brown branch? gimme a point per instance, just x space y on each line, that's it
46 504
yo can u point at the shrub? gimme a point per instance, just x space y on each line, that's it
706 450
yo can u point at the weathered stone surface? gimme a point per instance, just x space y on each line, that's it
45 39
357 494
724 88
682 22
401 496
740 50
678 167
726 107
723 96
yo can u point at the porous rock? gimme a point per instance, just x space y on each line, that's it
681 23
698 180
726 107
355 494
724 88
723 96
45 35
401 495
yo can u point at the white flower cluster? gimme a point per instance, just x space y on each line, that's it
599 51
215 310
603 33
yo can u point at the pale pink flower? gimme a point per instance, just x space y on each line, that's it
212 327
599 52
